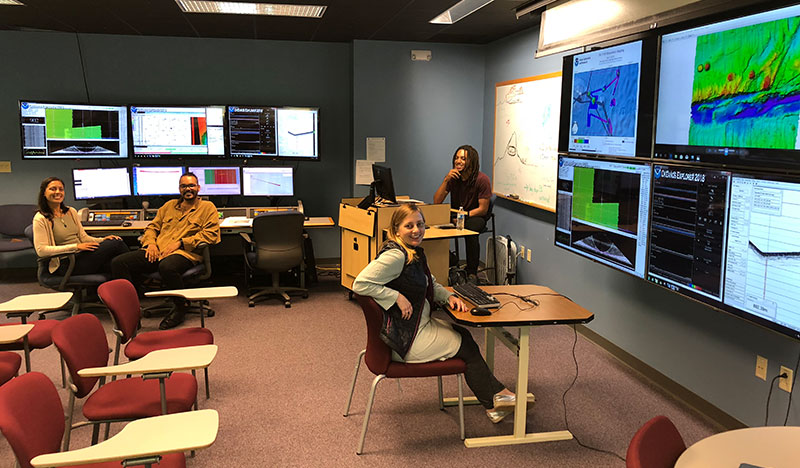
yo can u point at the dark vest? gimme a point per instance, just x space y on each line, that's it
416 285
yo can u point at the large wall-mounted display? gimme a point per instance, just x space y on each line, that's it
273 132
159 131
73 131
729 93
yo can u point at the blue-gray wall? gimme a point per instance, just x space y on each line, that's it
165 70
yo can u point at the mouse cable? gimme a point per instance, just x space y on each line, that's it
564 401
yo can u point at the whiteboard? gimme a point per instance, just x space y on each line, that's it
526 140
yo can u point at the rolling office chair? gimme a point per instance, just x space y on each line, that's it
657 444
193 276
276 247
494 236
77 284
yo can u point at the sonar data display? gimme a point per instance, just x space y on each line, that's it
729 93
605 94
602 211
687 230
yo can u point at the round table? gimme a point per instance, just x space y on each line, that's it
767 447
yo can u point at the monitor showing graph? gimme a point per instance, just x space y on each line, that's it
218 180
159 131
602 211
73 131
273 132
268 181
101 183
158 180
728 92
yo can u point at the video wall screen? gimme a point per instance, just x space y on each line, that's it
73 131
607 100
728 92
273 132
160 131
602 211
101 183
223 180
157 180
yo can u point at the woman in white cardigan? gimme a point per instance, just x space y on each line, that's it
57 230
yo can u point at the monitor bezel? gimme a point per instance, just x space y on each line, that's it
75 190
123 143
177 156
269 157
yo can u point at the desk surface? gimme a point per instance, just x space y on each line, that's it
12 333
227 223
36 302
767 447
161 360
195 294
553 308
158 435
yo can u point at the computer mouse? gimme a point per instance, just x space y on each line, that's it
127 224
480 311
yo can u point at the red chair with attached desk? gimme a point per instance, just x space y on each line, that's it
122 301
82 343
378 357
32 420
9 366
657 444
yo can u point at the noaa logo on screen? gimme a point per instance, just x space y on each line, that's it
560 162
576 60
657 172
25 105
133 109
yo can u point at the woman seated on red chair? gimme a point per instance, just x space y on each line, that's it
57 230
400 282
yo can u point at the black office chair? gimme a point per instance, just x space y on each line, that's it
77 284
494 236
276 247
194 276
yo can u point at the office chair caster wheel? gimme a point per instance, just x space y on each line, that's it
287 304
251 304
305 295
211 313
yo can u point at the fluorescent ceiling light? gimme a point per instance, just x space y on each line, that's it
242 8
11 2
577 17
459 11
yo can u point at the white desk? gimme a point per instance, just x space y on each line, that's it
767 447
12 333
198 294
25 305
162 360
158 435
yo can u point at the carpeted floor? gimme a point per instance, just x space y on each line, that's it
281 379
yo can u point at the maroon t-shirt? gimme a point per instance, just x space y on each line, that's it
467 195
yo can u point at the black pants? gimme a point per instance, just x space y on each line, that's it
132 265
473 246
478 376
88 262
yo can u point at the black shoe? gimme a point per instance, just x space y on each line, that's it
173 319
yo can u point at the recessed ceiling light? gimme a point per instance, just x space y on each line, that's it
459 11
242 8
11 2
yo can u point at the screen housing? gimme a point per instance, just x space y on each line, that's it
222 188
156 180
177 131
36 144
281 188
275 139
672 133
383 183
94 183
598 145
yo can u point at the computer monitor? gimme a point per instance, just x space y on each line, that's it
218 180
268 181
382 181
160 131
602 211
688 228
159 180
73 131
607 100
727 93
273 132
101 183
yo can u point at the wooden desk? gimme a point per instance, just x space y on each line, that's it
23 306
767 447
171 433
232 227
553 309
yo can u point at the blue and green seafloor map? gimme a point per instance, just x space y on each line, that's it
604 102
746 87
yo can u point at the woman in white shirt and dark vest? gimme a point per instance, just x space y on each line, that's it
400 282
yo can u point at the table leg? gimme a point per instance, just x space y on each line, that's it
489 341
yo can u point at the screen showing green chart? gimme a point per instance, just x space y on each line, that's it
602 211
72 131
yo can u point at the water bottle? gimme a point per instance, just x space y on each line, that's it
460 218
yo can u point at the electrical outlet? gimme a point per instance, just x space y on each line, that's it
786 383
761 367
529 255
522 249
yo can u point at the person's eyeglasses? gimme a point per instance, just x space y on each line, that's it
185 186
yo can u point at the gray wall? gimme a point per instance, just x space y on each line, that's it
707 351
165 70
